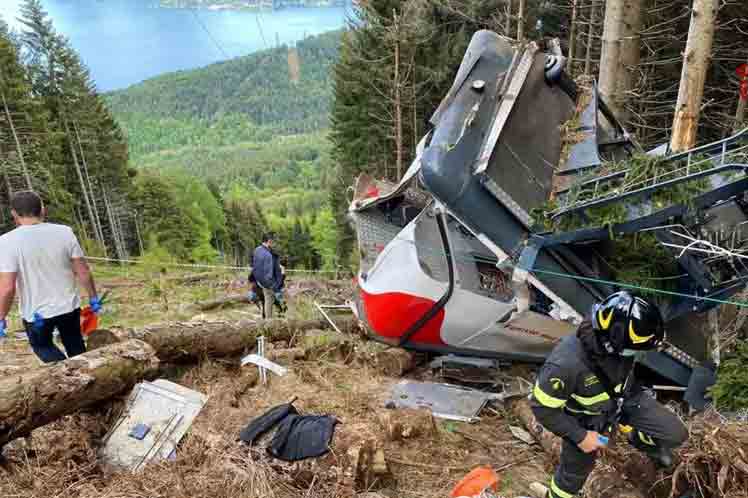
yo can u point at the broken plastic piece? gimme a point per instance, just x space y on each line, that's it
264 363
476 482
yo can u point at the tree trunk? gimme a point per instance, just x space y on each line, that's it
221 301
84 190
740 114
521 21
189 340
590 38
17 143
84 163
573 36
398 103
39 396
630 55
695 66
508 21
610 60
603 482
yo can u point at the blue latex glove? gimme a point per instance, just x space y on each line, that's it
95 304
3 328
252 296
38 321
279 296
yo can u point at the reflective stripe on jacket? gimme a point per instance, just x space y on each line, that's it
567 392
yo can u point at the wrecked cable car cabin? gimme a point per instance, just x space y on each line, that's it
491 246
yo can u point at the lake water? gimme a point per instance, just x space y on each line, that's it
126 41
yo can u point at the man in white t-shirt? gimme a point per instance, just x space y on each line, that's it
43 261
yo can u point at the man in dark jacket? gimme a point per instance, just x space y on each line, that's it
586 389
267 273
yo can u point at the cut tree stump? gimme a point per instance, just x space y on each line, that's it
39 396
406 423
178 341
390 361
604 482
364 464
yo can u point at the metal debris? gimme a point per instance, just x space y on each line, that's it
157 415
444 400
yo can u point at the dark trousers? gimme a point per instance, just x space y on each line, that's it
69 327
654 425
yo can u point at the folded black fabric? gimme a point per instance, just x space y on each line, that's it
299 437
266 422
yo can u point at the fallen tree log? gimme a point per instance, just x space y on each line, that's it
193 277
219 302
604 482
177 341
39 396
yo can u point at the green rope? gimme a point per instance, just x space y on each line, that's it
742 304
462 257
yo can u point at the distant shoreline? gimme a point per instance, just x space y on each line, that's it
244 5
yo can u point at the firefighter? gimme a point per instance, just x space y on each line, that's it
586 390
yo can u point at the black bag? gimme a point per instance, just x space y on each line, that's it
299 437
265 422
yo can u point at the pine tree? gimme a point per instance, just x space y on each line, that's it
89 146
28 151
381 108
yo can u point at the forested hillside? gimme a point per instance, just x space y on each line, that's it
285 90
251 132
216 156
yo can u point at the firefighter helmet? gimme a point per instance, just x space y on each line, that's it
624 321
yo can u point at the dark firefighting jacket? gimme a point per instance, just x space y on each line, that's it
568 398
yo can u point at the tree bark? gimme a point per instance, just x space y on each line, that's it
189 340
590 38
397 102
740 115
508 21
630 56
693 76
221 301
610 60
194 277
36 397
521 21
573 36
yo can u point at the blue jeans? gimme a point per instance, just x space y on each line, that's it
69 327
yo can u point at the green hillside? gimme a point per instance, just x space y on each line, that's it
237 148
252 98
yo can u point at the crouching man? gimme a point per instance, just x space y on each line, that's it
587 388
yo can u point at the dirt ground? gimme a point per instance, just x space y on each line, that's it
60 460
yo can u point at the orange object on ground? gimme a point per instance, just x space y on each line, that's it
89 321
476 481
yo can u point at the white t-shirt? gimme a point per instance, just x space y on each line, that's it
41 255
